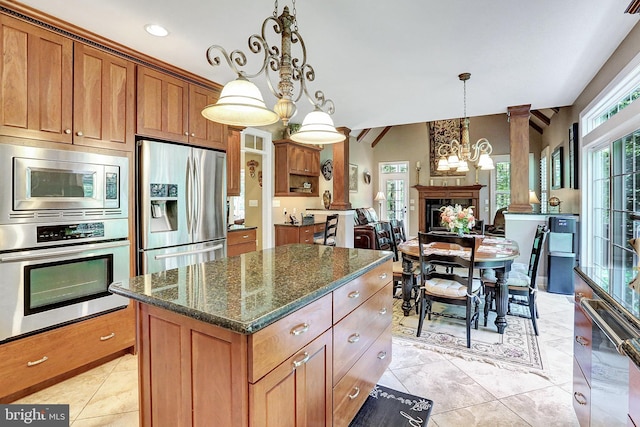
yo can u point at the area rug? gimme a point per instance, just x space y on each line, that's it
516 349
386 407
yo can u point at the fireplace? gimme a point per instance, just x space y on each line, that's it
432 198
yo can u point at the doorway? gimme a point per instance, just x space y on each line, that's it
254 203
394 184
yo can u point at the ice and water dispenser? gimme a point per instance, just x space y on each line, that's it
562 253
164 207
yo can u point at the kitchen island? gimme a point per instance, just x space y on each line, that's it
294 335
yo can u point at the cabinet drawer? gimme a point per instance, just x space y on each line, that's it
355 333
306 234
35 359
278 341
354 293
242 248
581 396
352 390
582 342
240 236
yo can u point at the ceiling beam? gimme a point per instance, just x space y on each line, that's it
556 110
544 119
382 134
362 134
535 127
634 7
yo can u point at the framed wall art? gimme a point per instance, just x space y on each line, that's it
557 169
353 178
442 132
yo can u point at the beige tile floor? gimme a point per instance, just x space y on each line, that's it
465 393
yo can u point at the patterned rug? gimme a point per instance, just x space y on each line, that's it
388 407
516 349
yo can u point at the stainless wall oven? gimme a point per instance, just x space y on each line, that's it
63 237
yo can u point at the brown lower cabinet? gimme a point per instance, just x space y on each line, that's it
192 372
288 233
241 241
634 395
32 363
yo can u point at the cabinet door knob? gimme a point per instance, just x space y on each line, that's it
300 362
108 337
580 398
193 134
300 329
186 134
37 362
67 131
356 392
79 133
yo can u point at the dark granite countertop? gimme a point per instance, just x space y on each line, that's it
240 227
249 292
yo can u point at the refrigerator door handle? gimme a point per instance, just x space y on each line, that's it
188 198
196 251
196 195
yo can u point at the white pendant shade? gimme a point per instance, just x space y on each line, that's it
463 167
485 162
240 104
317 128
453 161
443 165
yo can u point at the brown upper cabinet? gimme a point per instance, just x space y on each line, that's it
36 82
233 162
54 89
169 108
104 99
297 169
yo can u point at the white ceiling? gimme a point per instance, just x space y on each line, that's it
388 63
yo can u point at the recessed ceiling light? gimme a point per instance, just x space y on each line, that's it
156 30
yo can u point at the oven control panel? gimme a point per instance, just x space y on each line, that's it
84 230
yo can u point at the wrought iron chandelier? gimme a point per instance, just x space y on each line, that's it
457 154
242 104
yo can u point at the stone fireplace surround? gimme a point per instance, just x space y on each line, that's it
431 198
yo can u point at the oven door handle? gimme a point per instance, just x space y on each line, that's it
601 323
60 253
193 252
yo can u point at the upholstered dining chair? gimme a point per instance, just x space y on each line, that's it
399 236
449 288
328 237
521 281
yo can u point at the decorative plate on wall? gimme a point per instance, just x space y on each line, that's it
327 169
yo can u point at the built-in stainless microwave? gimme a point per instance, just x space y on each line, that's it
49 183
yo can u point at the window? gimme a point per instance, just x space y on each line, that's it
503 184
544 180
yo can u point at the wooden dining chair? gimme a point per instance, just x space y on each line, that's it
328 237
450 288
521 284
399 237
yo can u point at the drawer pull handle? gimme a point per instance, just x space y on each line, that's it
354 294
580 295
37 362
355 394
383 311
305 359
580 398
108 337
383 276
246 236
382 355
300 329
582 340
354 338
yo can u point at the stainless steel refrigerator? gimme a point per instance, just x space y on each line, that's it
181 205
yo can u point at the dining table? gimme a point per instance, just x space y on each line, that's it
497 253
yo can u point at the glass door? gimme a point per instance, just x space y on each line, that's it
394 180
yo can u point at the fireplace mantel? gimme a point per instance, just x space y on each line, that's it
468 195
